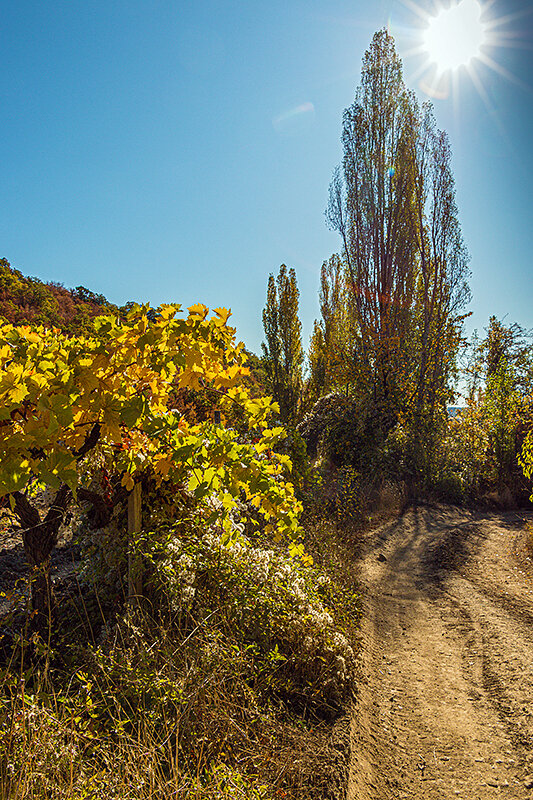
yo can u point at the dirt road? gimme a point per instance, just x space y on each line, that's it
445 707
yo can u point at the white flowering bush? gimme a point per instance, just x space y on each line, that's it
275 604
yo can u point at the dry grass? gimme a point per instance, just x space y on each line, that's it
162 706
179 721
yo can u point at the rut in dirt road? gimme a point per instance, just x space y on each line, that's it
446 686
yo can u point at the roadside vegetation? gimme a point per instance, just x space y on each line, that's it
224 681
198 651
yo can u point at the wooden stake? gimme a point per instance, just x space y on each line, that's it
135 578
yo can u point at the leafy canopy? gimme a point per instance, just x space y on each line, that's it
110 393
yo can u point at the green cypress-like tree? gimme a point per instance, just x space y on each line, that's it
282 352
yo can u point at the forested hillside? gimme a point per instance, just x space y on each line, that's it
29 300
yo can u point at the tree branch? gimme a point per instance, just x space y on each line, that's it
91 440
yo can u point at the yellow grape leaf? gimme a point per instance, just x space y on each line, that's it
88 380
18 393
285 460
223 313
163 465
296 549
127 481
189 379
46 366
168 311
198 310
31 336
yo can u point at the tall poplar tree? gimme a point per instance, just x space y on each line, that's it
282 352
393 203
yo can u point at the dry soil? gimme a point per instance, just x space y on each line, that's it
445 705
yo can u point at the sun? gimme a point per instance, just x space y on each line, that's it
455 36
458 40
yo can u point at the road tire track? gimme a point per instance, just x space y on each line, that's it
445 697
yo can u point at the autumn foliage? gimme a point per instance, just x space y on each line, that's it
28 300
108 397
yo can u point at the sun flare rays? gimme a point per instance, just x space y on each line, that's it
461 38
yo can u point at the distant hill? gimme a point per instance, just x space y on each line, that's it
30 300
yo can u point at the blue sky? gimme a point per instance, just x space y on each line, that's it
181 151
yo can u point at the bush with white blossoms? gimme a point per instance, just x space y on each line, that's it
277 606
